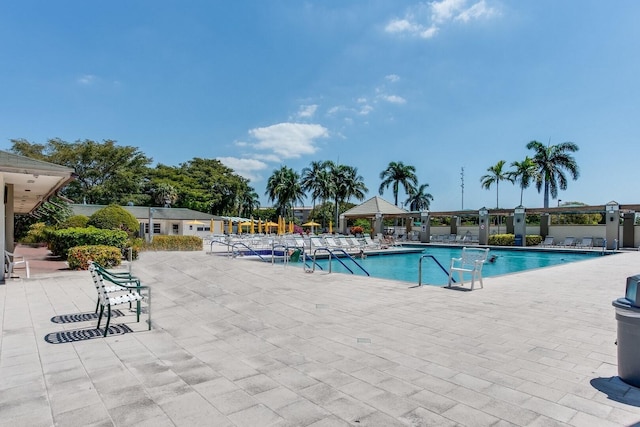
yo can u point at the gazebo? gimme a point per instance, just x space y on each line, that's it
375 209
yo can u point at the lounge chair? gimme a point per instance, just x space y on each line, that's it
471 261
548 241
585 242
569 241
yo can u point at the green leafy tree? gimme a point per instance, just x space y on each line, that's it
419 200
283 188
495 175
524 173
395 175
553 161
249 202
106 173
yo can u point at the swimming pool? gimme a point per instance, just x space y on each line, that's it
404 267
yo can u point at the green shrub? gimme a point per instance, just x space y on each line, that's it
175 243
37 234
114 217
75 221
533 239
502 239
107 256
136 244
62 240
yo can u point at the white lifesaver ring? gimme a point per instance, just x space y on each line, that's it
482 227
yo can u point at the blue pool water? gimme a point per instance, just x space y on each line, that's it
404 267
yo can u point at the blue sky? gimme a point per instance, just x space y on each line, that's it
258 84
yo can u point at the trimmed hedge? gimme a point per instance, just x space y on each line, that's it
174 243
63 240
75 221
510 240
107 256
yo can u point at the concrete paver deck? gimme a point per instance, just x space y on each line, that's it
242 343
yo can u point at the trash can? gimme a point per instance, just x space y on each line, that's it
628 317
518 240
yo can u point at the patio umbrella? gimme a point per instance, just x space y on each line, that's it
311 224
269 225
260 226
195 222
290 227
211 226
330 227
251 230
244 224
230 226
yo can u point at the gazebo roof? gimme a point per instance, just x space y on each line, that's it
375 205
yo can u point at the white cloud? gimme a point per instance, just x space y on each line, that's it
366 109
87 79
336 109
247 168
477 11
307 111
417 23
361 100
392 78
289 140
394 99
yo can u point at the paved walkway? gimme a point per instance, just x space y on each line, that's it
242 343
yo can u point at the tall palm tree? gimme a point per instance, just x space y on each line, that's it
524 172
419 200
249 201
348 184
552 161
283 188
495 175
396 174
313 179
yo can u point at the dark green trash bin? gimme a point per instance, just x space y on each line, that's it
628 317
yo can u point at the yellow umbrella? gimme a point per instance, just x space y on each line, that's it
211 226
269 225
290 227
230 229
195 222
280 225
260 226
310 224
244 224
251 230
330 227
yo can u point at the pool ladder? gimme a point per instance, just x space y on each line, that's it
332 254
437 262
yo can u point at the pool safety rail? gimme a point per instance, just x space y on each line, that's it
434 260
332 254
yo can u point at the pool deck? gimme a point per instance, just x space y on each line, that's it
238 343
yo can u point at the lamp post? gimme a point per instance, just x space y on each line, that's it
559 200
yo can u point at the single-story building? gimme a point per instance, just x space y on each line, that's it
27 183
167 221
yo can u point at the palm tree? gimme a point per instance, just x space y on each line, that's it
313 179
249 201
283 187
524 172
551 161
348 184
395 174
495 175
165 194
419 200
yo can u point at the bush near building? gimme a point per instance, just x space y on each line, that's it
114 217
174 243
60 241
107 256
510 240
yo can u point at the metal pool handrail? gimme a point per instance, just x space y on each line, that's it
437 262
332 254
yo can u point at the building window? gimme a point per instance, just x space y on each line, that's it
156 228
176 228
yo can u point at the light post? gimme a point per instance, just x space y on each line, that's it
559 200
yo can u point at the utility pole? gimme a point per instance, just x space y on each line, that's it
462 186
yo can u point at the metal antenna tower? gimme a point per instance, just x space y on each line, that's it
462 185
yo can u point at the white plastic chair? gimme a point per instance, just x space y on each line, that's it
12 261
471 261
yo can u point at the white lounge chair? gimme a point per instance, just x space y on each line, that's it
569 241
548 241
471 261
11 261
585 242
